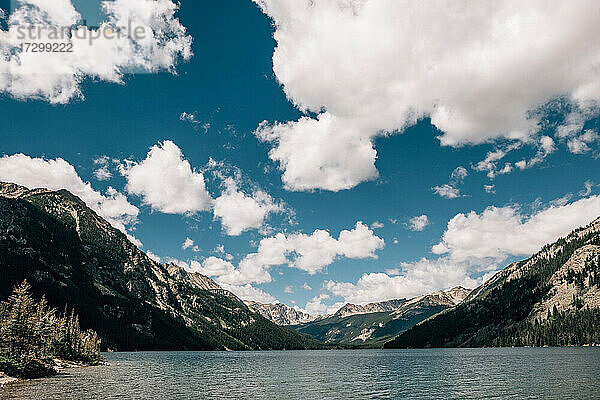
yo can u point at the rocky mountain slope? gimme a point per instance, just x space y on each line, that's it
374 323
77 259
353 309
280 314
552 298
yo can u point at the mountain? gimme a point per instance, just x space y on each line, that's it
552 298
352 309
280 314
78 260
375 323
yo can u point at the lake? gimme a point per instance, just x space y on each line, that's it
497 373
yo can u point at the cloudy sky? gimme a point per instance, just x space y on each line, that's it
314 152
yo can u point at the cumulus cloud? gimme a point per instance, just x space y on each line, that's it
499 232
473 247
189 244
251 293
447 191
466 70
418 223
316 306
166 181
310 253
412 279
58 174
581 144
239 212
57 77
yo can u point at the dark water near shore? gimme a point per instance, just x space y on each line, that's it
544 373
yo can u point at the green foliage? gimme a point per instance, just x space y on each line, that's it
573 328
32 333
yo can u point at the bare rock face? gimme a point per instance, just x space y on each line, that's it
572 285
280 314
382 306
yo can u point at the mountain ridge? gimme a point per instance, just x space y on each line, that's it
77 259
551 298
365 325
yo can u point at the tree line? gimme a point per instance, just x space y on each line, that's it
32 335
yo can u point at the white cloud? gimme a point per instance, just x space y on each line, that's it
459 174
220 251
413 279
323 153
102 173
58 174
192 118
377 225
251 293
57 77
153 256
580 144
306 286
310 253
316 306
239 212
189 117
213 266
189 244
499 232
446 191
490 163
418 223
451 190
288 290
466 71
166 181
489 188
545 146
589 185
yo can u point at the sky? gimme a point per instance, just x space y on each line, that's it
313 152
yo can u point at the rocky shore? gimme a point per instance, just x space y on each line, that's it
47 368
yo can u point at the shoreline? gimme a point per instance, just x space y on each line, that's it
59 366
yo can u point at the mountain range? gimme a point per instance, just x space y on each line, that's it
550 299
78 260
364 325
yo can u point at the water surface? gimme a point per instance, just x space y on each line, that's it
505 373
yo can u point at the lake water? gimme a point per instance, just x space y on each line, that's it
506 373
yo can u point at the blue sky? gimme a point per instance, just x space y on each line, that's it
230 87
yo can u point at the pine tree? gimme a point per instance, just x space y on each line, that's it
31 333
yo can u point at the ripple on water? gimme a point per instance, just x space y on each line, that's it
549 373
